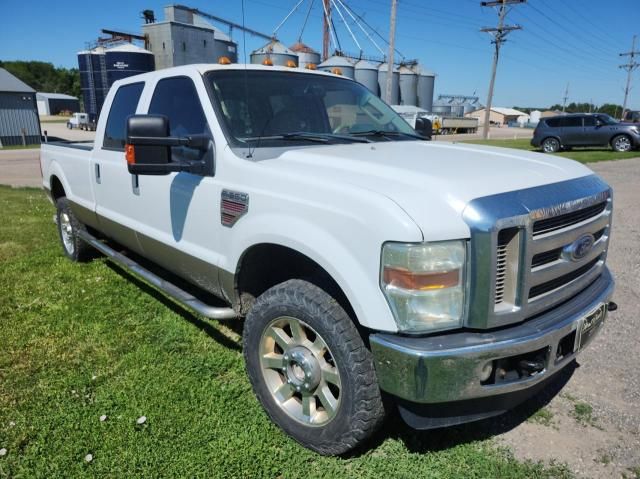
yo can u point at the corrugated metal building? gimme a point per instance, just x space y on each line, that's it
55 103
19 121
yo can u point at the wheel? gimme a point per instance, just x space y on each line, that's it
621 143
310 369
550 145
74 248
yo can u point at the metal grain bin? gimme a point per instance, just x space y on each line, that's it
276 53
441 107
408 86
366 73
395 84
93 80
345 66
426 81
306 54
127 60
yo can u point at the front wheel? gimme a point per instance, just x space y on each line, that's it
550 145
310 369
621 143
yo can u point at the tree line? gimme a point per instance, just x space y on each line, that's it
607 108
44 77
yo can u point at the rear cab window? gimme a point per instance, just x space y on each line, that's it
124 104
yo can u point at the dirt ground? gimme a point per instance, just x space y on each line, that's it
593 424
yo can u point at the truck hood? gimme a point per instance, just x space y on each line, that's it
431 181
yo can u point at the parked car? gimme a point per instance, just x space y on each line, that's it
631 116
456 280
567 131
81 121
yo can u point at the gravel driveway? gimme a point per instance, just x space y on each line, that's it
593 425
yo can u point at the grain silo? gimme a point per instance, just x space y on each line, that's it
441 107
426 81
93 80
274 53
338 63
395 84
306 54
366 73
127 60
408 86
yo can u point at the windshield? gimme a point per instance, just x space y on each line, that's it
607 120
263 108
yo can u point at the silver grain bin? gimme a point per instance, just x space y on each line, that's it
366 73
470 106
306 54
275 53
338 63
441 107
395 84
426 81
408 86
127 60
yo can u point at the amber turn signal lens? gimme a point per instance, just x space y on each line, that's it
291 64
405 279
130 154
311 66
267 62
224 61
336 71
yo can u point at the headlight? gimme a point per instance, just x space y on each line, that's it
424 284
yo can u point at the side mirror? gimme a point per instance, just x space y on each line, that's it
424 127
148 148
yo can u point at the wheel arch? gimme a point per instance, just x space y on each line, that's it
57 188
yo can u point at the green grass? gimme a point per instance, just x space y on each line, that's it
19 147
542 416
583 155
81 340
583 413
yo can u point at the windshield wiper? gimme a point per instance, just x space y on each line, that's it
385 133
308 136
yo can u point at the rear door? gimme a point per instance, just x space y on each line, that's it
118 202
572 131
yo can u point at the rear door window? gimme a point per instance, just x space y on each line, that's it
589 121
124 105
571 121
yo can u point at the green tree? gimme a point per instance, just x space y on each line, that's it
44 77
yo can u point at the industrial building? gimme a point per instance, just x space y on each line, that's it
56 103
184 38
19 123
500 116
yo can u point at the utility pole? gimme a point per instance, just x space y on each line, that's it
499 35
326 28
565 98
392 43
629 67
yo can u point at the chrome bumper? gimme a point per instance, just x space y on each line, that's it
447 367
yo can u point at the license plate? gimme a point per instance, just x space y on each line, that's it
591 323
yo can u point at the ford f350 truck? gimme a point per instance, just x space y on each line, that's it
452 280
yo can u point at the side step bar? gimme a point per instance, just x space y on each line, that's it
164 286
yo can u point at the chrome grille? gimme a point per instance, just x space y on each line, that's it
537 269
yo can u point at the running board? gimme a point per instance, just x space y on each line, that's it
164 286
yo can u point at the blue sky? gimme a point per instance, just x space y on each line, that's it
563 41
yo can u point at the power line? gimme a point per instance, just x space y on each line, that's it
629 67
499 35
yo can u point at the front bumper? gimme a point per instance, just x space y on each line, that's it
447 368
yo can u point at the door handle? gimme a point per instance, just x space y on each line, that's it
97 172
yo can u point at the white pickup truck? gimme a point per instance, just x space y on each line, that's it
454 281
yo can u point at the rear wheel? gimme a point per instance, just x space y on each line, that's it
68 226
550 145
621 143
310 369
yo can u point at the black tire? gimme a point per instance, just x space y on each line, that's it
621 143
73 247
550 145
69 126
360 409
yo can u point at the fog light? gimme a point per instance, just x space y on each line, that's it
487 369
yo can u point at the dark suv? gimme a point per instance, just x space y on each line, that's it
566 131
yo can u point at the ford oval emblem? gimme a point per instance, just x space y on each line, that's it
580 247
